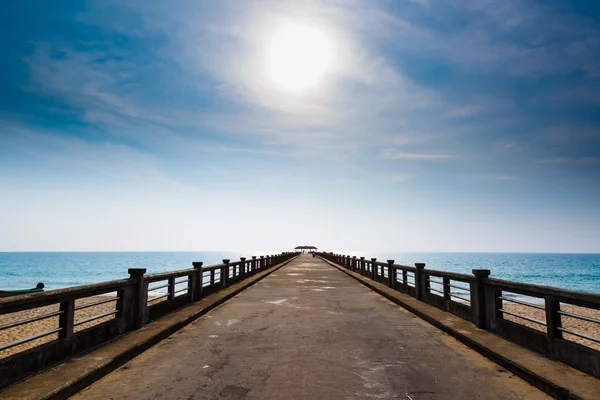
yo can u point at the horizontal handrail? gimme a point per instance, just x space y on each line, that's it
581 335
459 297
521 302
157 298
180 291
161 276
582 317
452 275
25 301
28 320
213 267
434 281
96 303
514 314
29 339
151 289
85 321
529 289
437 291
466 289
400 267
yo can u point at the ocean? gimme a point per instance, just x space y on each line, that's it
579 272
59 270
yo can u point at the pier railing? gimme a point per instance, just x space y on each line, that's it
68 321
545 319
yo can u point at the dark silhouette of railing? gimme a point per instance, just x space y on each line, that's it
481 300
132 302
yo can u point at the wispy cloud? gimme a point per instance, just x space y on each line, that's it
571 160
511 146
393 154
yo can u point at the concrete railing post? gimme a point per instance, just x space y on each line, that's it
391 274
478 297
253 265
354 265
171 288
243 267
225 273
362 265
446 290
198 279
419 281
373 268
66 320
553 321
139 305
262 262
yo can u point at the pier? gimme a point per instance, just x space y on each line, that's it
309 326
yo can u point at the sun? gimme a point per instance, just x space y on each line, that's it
299 57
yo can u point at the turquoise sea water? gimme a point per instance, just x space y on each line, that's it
59 270
23 270
580 272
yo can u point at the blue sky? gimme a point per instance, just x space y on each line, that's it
439 125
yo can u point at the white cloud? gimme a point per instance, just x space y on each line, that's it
571 160
392 154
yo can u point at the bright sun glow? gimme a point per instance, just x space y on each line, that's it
299 56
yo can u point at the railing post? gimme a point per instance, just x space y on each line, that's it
446 289
478 297
253 265
362 265
391 273
553 321
171 289
243 267
66 320
139 307
199 279
419 281
354 263
225 273
373 268
262 262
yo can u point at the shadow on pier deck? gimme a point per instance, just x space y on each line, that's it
308 331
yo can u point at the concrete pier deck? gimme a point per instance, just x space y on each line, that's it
309 331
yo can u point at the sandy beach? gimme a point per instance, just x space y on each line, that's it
574 324
32 328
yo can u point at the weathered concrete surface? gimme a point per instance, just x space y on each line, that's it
308 331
